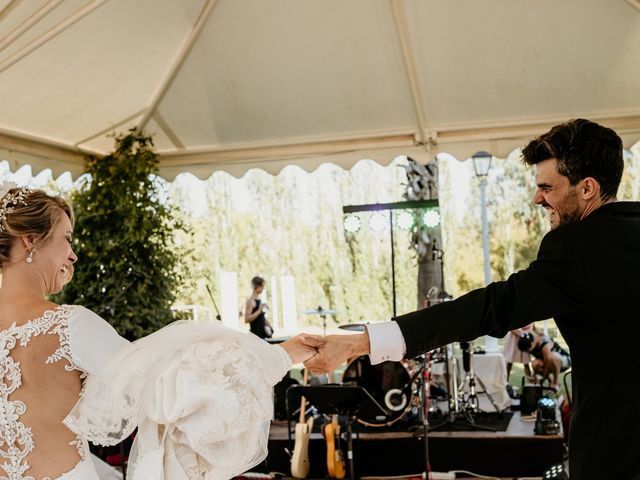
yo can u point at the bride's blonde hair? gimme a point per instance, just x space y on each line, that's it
36 214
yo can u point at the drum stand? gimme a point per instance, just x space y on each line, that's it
461 409
470 378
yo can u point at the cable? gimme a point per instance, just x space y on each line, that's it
409 475
421 475
466 472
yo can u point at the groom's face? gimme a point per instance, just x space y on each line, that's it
556 194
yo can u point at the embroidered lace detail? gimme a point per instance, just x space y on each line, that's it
16 439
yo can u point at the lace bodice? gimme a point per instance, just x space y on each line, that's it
16 438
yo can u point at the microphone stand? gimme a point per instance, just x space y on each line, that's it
424 395
218 317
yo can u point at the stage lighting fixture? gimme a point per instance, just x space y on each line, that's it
431 218
546 423
404 220
351 223
555 472
377 222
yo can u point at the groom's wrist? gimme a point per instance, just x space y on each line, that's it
362 345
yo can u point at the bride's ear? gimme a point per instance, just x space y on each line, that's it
28 242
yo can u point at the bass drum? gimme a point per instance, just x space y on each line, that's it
389 383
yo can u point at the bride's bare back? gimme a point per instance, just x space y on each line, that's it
40 386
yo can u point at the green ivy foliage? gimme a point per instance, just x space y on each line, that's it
128 268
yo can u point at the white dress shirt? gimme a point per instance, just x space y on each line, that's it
386 342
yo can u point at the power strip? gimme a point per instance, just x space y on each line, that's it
440 476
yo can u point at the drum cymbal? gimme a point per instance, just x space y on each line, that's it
320 311
354 327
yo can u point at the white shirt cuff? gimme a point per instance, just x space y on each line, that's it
386 342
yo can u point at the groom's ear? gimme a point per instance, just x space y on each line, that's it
589 189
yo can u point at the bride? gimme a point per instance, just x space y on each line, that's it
199 394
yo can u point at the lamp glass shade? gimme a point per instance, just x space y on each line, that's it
481 163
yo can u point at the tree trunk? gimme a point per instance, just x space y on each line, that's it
430 272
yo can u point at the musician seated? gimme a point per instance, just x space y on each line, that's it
549 357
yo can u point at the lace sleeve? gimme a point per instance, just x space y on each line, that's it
207 388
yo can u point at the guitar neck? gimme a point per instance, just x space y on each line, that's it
303 401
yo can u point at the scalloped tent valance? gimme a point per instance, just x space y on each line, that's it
238 84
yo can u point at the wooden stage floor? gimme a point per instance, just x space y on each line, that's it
514 452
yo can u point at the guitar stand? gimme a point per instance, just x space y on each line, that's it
341 400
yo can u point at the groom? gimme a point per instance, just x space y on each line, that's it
586 276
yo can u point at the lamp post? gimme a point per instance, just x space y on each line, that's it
481 166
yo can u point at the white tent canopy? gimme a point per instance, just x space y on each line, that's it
236 84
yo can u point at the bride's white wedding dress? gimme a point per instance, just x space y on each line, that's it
199 393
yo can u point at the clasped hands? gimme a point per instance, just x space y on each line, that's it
323 354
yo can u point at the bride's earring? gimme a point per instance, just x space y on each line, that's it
30 257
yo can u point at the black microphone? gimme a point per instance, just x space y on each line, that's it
466 356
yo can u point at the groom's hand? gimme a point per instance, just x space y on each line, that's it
302 347
336 349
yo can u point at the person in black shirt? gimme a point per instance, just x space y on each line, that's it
550 358
254 311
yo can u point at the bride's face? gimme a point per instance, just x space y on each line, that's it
55 258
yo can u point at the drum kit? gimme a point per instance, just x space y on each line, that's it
399 387
403 389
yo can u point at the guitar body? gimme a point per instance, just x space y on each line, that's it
329 435
300 458
335 461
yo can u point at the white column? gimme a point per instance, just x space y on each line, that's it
289 309
275 311
229 299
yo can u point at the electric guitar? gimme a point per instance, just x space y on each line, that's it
335 461
300 457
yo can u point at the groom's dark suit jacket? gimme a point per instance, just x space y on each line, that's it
587 277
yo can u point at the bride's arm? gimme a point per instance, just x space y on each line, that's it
93 342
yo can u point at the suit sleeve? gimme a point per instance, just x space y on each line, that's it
552 285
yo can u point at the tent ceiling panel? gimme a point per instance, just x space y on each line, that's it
163 137
104 141
317 73
496 61
97 73
267 84
29 20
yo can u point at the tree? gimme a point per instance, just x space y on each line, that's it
129 267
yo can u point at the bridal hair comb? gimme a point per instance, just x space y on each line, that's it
9 201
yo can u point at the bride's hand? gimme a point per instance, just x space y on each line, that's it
301 347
